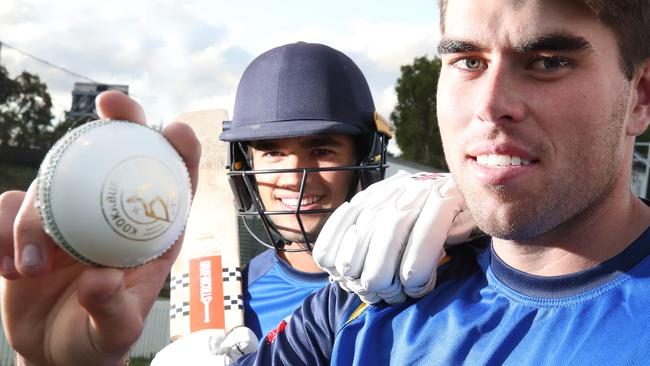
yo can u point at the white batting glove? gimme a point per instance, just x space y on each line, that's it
208 347
387 242
239 341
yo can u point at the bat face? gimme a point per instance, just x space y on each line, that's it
205 286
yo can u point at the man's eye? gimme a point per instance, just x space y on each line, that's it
549 63
323 152
271 154
470 63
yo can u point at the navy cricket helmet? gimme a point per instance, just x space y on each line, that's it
301 89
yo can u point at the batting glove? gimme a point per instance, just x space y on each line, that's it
208 347
386 243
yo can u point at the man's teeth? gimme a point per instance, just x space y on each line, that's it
500 160
293 202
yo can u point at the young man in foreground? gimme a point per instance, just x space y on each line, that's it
539 103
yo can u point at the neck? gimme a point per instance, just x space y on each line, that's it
592 237
301 261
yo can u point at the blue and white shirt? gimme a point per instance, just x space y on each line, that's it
482 312
273 290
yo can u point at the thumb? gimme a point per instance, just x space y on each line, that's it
113 104
115 318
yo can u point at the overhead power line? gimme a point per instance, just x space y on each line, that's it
48 63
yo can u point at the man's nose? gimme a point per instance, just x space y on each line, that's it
501 96
295 179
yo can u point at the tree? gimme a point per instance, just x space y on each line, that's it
68 124
25 111
8 88
416 124
644 137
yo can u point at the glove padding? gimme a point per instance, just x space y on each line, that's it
208 347
239 341
387 241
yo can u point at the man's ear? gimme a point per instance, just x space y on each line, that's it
640 116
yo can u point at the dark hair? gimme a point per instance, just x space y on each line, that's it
630 21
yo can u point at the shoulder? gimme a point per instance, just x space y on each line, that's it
258 266
332 304
309 335
316 323
464 259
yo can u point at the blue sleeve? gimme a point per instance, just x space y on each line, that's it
309 336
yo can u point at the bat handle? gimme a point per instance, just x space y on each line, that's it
206 309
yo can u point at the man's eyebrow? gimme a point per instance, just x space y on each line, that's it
559 41
320 141
447 46
554 42
309 142
263 145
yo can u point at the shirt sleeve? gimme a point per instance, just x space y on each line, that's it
308 337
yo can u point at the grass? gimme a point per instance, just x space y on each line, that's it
16 177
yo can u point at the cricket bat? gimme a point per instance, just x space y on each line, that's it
205 286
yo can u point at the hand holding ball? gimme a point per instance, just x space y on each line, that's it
113 193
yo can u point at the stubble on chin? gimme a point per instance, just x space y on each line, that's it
508 216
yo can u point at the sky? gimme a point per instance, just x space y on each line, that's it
186 55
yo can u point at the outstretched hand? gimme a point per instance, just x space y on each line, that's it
58 311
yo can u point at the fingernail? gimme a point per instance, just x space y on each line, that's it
8 267
31 256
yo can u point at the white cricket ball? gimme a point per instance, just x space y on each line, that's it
113 193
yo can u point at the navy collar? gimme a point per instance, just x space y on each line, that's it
574 284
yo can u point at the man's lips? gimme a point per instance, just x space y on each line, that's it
501 174
307 202
499 160
493 153
498 164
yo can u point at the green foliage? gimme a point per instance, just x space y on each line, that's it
16 177
68 124
644 137
25 111
8 87
139 361
416 124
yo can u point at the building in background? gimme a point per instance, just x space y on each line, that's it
83 98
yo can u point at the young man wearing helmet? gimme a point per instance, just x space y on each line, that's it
304 138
